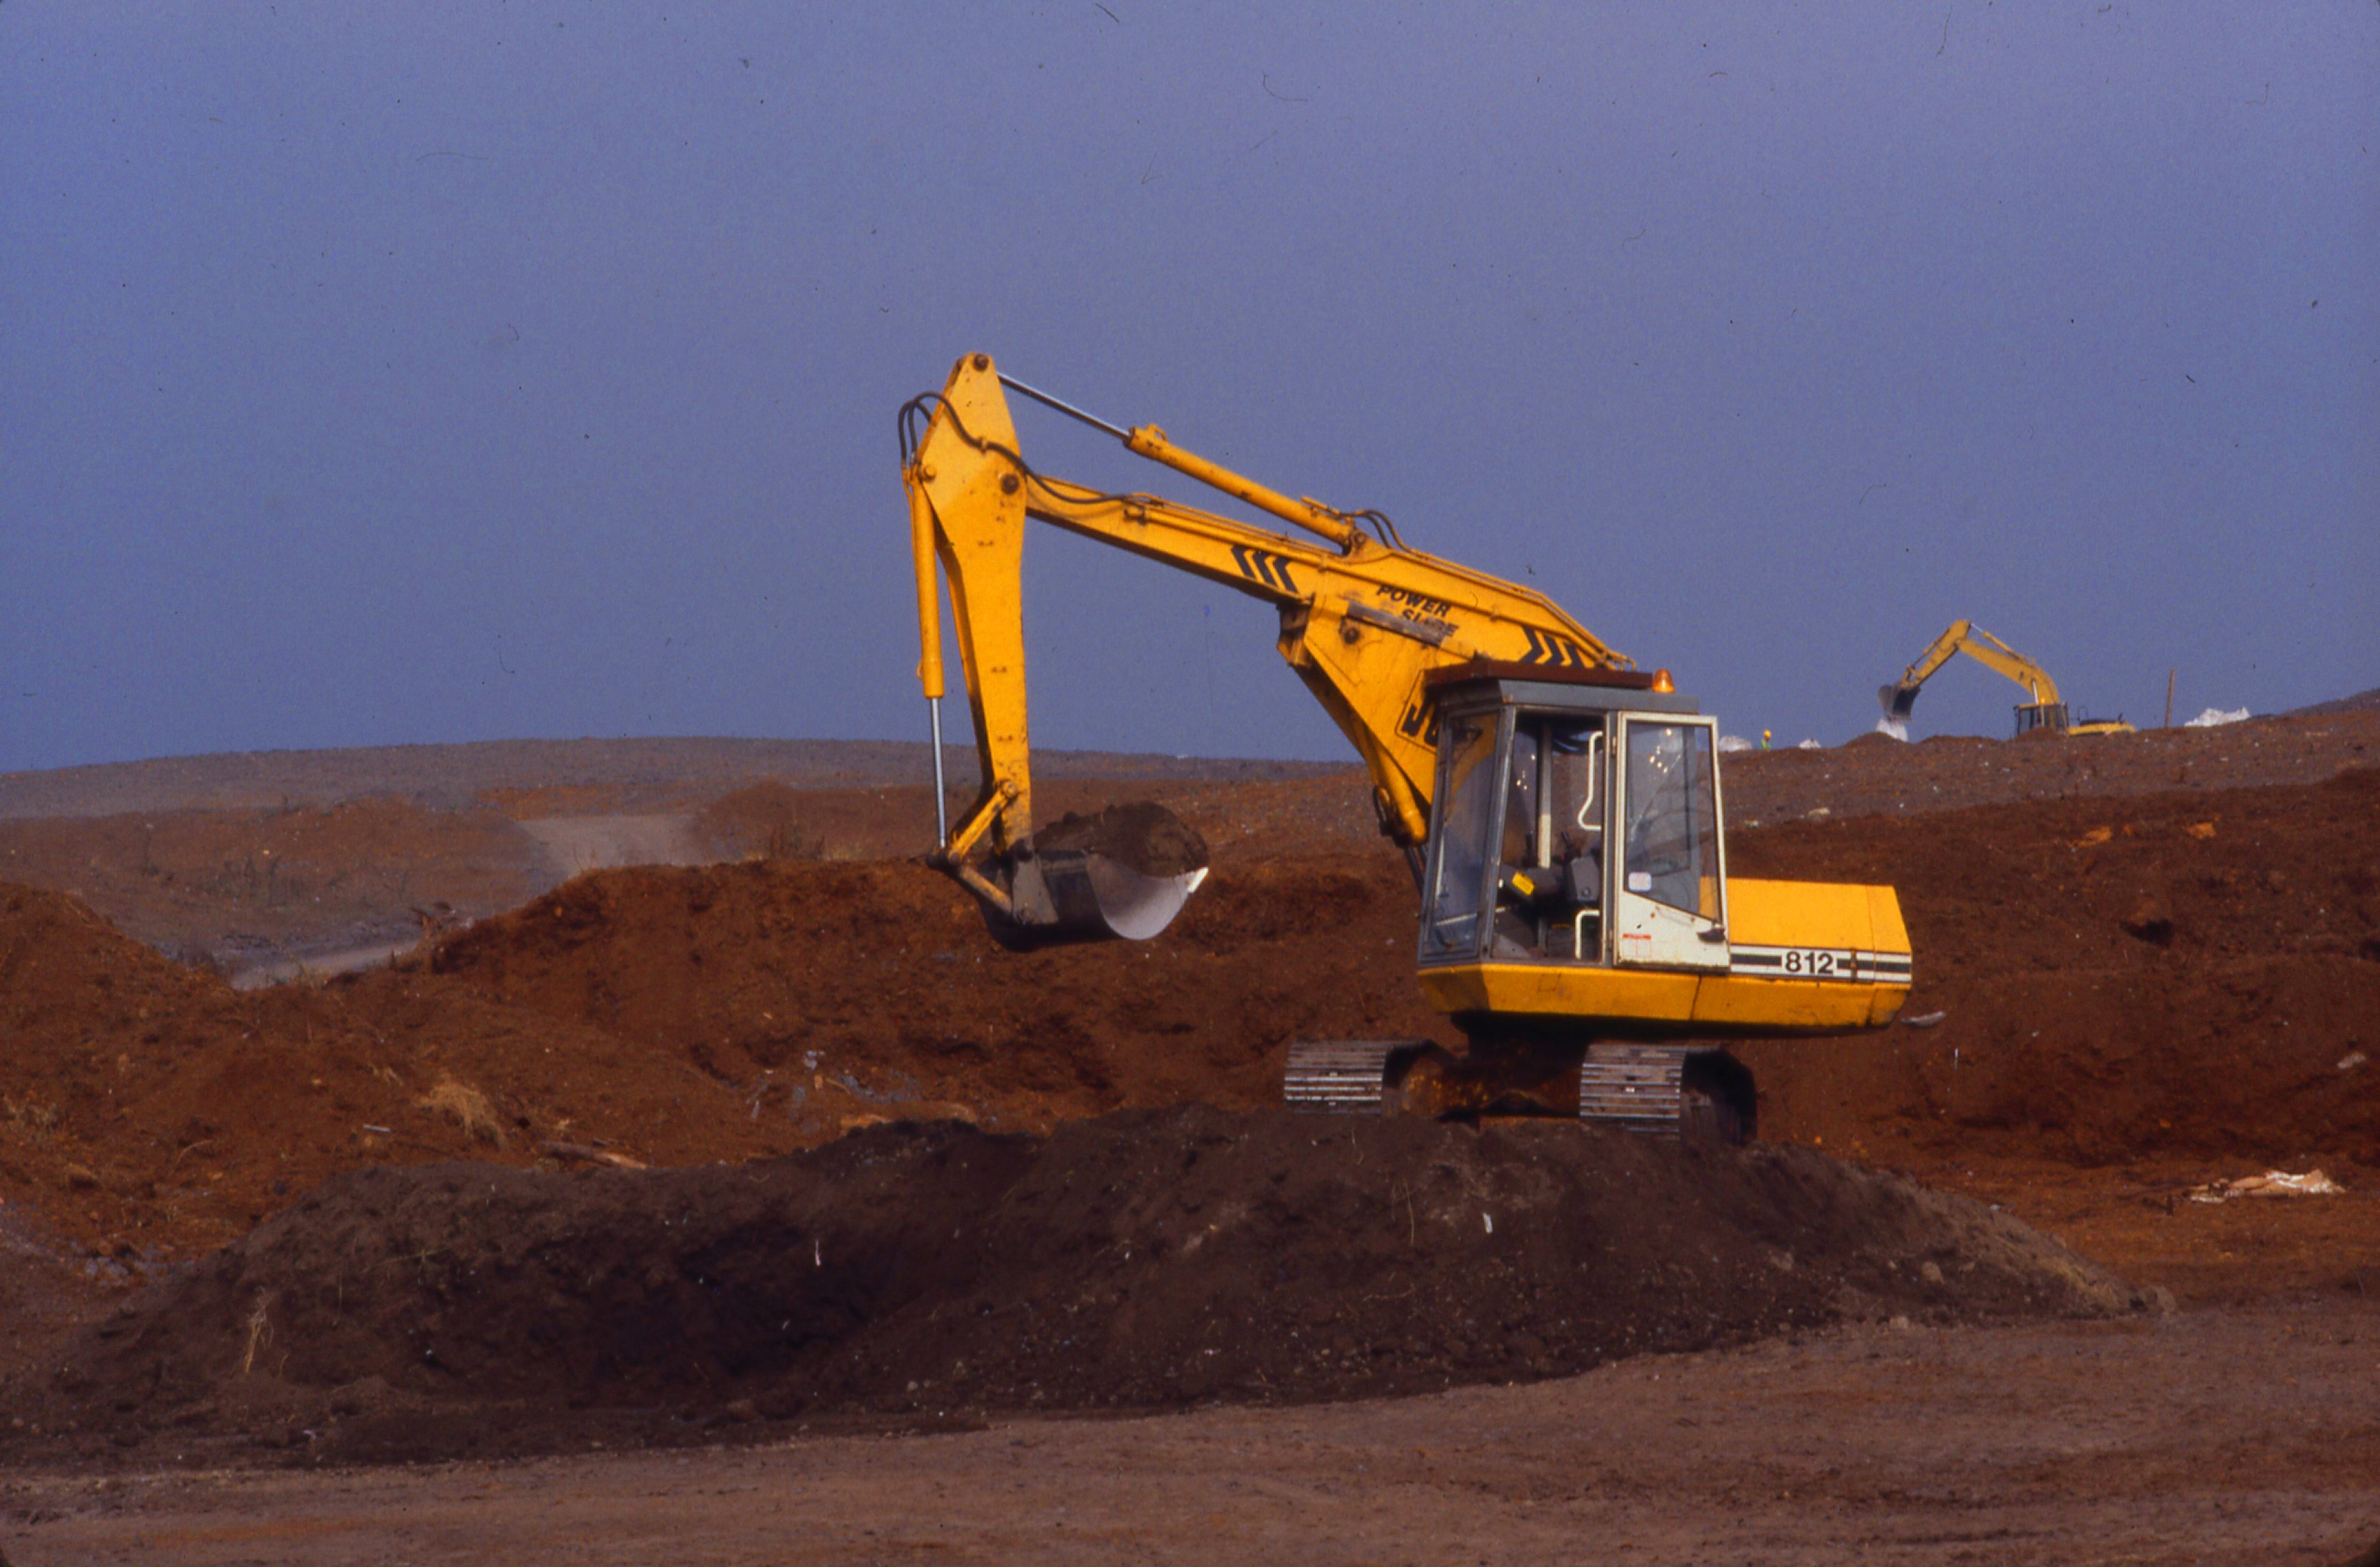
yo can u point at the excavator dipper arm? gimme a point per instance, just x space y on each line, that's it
1363 619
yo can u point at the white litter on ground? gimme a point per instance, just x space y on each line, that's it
2214 716
1730 743
2271 1184
1809 745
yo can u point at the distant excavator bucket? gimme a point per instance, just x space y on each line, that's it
1897 701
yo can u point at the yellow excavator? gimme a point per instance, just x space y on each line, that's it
1561 809
2042 709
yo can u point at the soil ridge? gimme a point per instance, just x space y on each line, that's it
1141 1261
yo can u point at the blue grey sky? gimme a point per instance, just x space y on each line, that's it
445 372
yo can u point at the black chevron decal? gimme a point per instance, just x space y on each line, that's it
1260 565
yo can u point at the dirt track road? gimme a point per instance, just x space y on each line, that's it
2240 1436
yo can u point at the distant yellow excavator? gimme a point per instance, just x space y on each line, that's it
1560 809
2043 710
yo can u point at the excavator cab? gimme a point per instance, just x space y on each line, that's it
1579 927
1576 822
1573 905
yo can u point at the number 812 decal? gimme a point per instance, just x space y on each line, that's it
1794 963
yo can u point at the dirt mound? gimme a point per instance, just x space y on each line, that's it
2161 975
825 994
669 1016
1147 1260
1141 835
65 970
147 1109
761 820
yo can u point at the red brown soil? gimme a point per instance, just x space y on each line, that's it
823 995
672 1016
1240 820
381 840
729 1011
1141 835
1873 775
147 1111
922 1270
2140 991
2183 975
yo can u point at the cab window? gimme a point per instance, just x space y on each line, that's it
1459 880
1672 827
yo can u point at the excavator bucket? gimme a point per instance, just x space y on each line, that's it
1089 897
1898 701
1121 873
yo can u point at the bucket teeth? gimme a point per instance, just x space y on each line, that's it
1339 1076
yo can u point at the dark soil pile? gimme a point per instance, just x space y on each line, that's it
2119 978
1141 835
1147 1260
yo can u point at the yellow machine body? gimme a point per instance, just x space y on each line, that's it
1850 969
1386 638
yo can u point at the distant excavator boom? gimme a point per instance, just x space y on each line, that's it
2042 709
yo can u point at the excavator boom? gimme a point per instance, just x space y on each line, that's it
1363 618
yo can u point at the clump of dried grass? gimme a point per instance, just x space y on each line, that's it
258 1331
38 1120
466 1108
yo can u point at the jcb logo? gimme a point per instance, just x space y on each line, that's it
1257 565
1419 722
1546 647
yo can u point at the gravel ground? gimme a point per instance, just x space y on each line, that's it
2237 1436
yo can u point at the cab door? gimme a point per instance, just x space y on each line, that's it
1666 889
